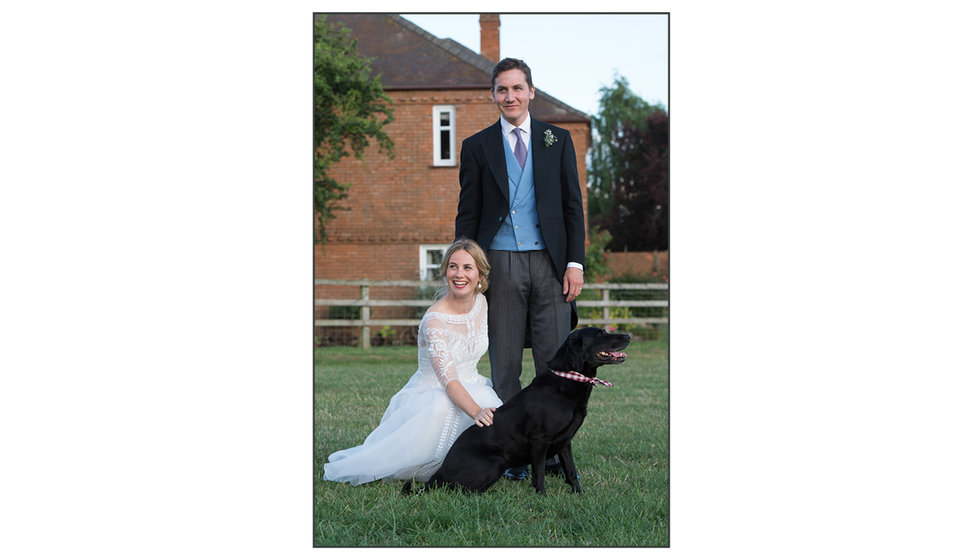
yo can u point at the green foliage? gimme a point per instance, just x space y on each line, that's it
622 116
387 335
640 331
614 313
618 105
350 108
639 197
595 255
343 336
344 312
644 331
428 293
621 452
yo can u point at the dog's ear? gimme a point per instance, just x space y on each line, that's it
575 351
558 360
577 356
561 359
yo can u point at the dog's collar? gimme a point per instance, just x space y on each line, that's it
576 376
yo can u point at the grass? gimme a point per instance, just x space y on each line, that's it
621 453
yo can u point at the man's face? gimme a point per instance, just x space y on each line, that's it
512 95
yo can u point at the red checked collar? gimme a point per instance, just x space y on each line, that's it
576 376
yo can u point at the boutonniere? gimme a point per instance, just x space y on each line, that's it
549 138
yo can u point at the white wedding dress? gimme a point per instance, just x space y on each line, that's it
421 423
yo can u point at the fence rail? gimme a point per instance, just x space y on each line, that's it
366 303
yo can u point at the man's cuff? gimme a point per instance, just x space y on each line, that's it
576 265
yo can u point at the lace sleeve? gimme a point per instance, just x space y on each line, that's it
437 344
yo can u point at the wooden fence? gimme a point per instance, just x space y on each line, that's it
366 303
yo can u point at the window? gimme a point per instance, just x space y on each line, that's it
444 135
430 259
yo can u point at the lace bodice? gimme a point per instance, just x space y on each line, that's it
451 345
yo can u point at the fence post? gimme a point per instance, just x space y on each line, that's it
605 304
365 316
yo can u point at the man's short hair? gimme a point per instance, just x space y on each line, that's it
510 64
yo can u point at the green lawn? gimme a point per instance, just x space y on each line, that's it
621 453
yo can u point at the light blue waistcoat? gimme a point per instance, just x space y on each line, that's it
519 230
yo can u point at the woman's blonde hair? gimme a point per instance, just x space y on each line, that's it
471 247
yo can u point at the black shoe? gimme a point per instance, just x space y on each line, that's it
516 473
554 468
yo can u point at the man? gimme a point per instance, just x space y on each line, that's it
520 200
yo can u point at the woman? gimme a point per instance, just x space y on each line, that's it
445 396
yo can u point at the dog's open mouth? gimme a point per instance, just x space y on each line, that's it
612 357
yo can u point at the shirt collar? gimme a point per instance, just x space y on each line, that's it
507 127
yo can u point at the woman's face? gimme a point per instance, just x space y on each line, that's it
462 274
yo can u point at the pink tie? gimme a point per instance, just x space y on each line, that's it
520 151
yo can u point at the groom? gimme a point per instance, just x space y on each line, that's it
519 199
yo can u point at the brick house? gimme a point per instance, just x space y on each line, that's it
402 211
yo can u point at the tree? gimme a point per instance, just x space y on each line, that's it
638 200
350 108
618 130
617 106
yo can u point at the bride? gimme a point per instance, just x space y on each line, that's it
445 396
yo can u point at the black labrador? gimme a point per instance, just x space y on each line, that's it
536 423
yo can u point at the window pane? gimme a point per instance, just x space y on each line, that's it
444 145
444 118
435 257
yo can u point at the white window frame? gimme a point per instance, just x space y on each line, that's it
437 129
424 265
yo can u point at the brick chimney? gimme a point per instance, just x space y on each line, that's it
490 36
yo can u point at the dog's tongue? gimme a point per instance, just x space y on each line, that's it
618 354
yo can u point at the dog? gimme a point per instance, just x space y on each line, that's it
536 423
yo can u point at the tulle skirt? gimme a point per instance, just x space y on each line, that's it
415 433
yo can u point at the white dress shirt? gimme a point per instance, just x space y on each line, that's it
525 133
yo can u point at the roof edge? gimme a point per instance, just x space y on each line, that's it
571 110
478 61
467 56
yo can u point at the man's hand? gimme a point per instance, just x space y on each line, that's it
572 284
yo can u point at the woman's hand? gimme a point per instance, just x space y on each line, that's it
484 417
457 393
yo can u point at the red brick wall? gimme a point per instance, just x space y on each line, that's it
374 261
638 263
401 203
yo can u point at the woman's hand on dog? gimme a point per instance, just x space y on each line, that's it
484 417
457 393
